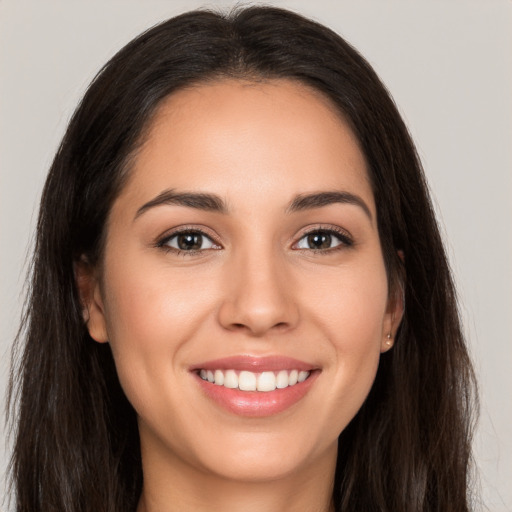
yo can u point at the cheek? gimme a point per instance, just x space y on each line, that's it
150 316
351 304
350 311
151 304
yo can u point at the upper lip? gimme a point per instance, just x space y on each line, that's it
254 364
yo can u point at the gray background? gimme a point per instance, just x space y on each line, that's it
448 65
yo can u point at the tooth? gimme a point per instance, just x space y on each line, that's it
247 381
282 379
302 376
266 381
231 379
219 377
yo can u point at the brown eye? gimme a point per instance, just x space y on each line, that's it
319 240
189 241
323 240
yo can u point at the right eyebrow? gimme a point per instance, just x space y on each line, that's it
200 201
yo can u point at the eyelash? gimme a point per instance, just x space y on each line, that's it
343 237
162 243
346 241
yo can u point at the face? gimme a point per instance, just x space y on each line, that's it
243 289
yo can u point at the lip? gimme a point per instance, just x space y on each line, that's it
256 404
255 364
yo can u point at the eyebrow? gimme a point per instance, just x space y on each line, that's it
197 200
214 203
320 199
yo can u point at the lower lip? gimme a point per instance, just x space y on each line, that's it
257 404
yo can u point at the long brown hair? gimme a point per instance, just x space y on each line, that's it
76 439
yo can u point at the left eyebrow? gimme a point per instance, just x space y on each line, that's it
320 199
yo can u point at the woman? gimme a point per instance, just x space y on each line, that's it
240 297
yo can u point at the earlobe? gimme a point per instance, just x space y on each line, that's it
394 317
89 290
388 342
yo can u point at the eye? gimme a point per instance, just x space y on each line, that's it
189 241
323 239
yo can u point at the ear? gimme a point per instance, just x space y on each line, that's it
394 313
89 289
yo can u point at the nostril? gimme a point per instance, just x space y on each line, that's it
236 326
257 313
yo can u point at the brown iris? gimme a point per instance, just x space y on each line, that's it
189 241
319 240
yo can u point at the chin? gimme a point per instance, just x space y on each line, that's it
262 457
256 469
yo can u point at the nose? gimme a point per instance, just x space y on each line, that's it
258 297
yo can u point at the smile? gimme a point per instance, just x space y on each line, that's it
255 386
251 381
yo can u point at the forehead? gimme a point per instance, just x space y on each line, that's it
248 136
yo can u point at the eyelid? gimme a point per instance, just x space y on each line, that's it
162 240
343 235
345 238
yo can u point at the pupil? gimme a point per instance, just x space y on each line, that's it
319 241
190 241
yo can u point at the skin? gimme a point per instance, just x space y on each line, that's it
258 289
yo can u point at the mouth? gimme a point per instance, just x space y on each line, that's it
255 386
251 381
